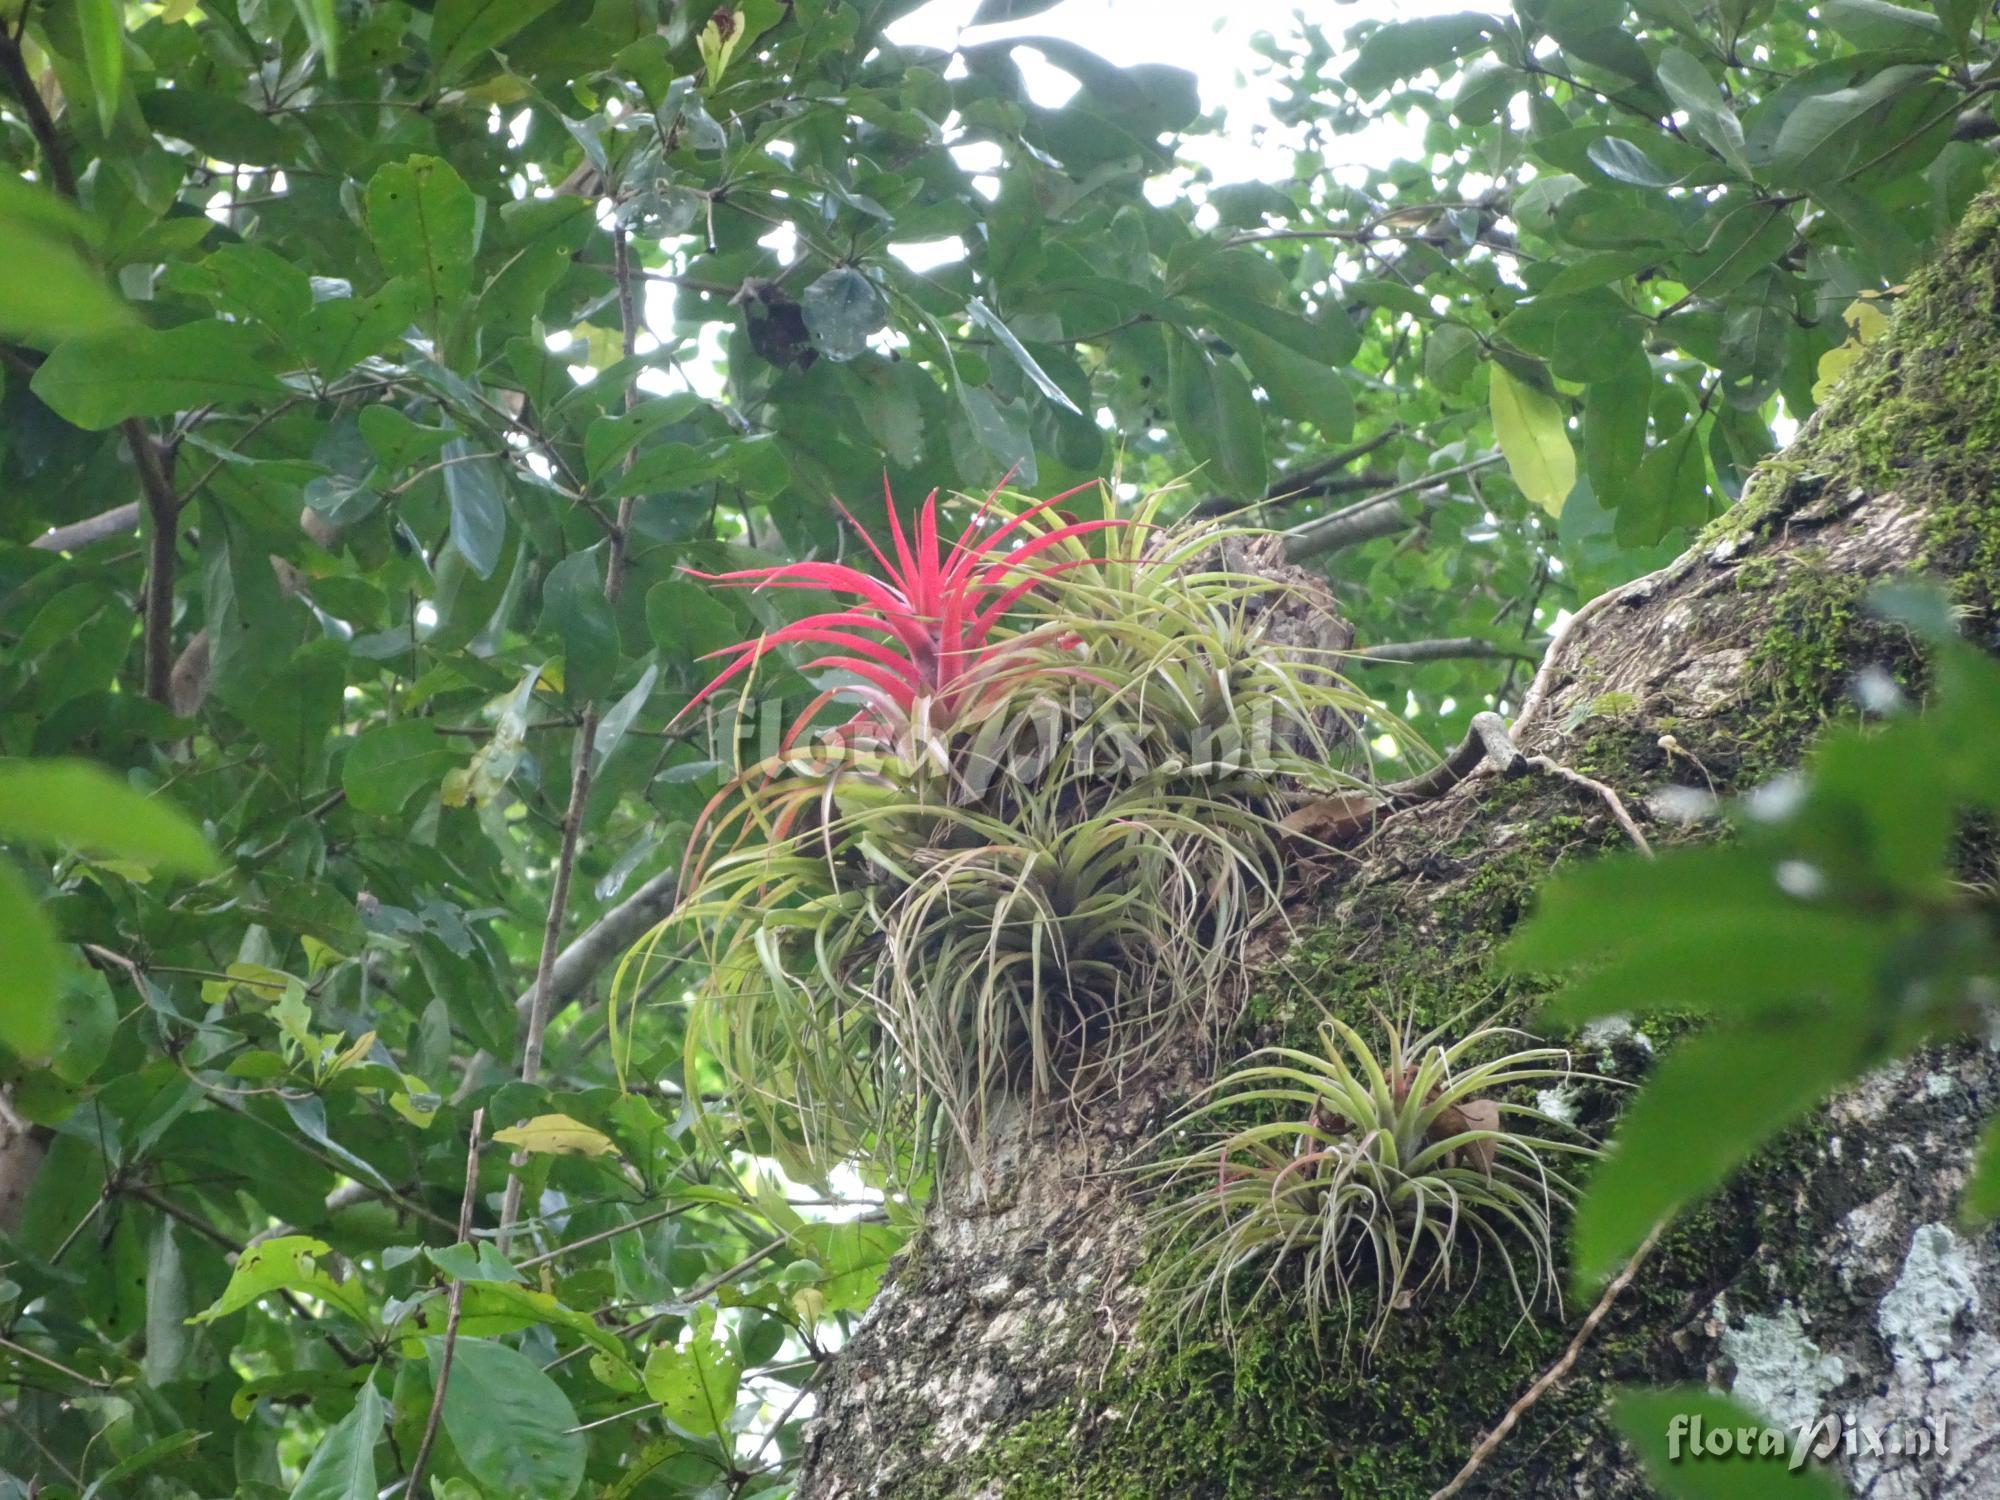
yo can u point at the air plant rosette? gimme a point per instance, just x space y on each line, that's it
1366 1183
1029 857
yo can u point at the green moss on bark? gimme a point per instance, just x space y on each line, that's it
1268 1415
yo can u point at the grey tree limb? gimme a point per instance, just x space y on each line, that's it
120 520
1365 520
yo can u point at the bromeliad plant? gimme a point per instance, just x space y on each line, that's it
1032 854
1390 1174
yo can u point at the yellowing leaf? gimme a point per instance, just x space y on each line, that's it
1867 322
1535 441
718 42
556 1135
256 980
289 1263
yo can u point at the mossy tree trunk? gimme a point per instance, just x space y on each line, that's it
1009 1354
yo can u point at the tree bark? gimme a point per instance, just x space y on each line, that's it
1008 1353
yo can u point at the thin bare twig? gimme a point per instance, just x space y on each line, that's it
1555 1372
582 767
453 1306
602 1235
42 1359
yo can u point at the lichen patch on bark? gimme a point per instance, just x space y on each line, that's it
1010 1354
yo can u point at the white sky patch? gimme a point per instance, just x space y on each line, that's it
928 255
1253 146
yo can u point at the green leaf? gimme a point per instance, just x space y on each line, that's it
99 380
993 12
50 292
576 612
984 317
102 23
472 485
1000 430
464 31
1714 1100
695 1385
1670 490
257 283
220 124
842 308
1614 427
342 1466
294 714
509 1422
1815 140
1451 354
1398 50
32 974
1300 386
323 28
397 442
483 1262
424 221
1535 439
1671 1430
851 1258
74 803
611 438
288 1263
391 763
1624 161
688 620
1691 88
1216 417
1877 25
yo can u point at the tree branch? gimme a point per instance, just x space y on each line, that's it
1302 481
454 1306
155 487
41 124
601 942
1366 519
1447 648
120 520
1555 1372
542 996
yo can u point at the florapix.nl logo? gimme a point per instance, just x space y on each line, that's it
1690 1438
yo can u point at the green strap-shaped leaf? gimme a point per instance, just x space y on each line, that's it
318 19
102 23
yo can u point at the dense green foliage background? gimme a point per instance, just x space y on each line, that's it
393 327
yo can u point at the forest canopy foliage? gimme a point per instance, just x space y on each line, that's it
372 374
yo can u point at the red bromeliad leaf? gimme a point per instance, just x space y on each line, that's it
935 609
